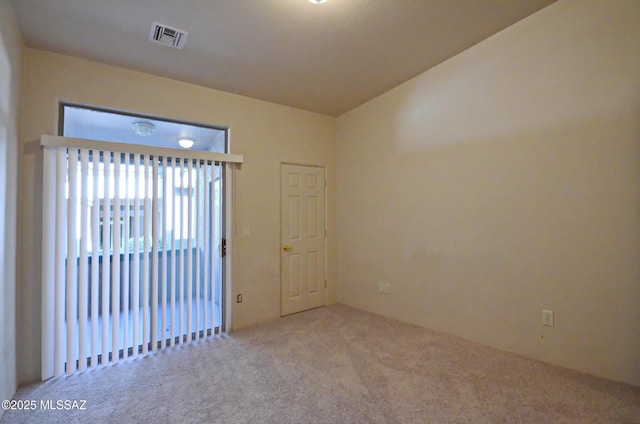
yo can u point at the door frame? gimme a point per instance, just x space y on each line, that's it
326 229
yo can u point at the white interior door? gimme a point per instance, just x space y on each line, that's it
302 227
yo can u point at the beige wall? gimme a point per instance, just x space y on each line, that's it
11 46
504 181
265 133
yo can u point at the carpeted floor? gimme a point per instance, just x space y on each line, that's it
333 365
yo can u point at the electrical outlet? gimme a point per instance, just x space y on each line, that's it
384 287
239 298
547 317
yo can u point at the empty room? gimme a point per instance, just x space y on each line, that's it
324 211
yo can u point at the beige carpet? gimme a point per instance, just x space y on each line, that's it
333 365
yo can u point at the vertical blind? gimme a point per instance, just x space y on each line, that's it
131 250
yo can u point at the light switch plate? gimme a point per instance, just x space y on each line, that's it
547 317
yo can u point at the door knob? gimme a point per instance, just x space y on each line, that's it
287 248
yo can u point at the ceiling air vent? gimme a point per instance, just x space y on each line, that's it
168 36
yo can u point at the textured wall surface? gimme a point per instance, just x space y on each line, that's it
506 181
11 46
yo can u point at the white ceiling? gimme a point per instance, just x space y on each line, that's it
326 58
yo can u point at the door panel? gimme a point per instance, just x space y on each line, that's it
294 217
303 238
314 284
294 276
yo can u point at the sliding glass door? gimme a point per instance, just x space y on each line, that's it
133 251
